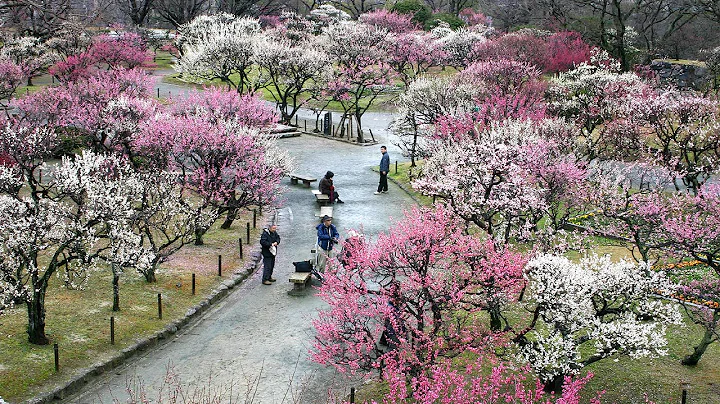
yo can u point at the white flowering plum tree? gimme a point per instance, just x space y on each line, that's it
587 311
288 70
362 73
219 46
504 178
53 223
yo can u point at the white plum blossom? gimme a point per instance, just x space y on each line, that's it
592 310
218 47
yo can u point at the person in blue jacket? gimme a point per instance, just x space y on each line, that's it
384 169
327 236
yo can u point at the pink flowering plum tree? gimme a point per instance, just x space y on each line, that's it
126 50
219 47
412 54
103 111
31 54
682 133
587 311
630 202
393 22
11 77
218 106
593 96
288 71
423 285
227 165
493 177
362 73
565 51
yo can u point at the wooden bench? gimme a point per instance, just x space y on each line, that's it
299 281
306 179
325 210
320 197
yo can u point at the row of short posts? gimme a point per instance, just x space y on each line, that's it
56 349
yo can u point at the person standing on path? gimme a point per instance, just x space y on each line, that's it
327 236
384 169
269 242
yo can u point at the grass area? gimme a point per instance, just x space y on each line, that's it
163 60
683 62
403 175
79 320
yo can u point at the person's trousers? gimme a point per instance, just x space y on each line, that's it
322 258
383 187
268 266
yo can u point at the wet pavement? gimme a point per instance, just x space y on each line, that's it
257 339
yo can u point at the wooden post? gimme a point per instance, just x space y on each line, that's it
352 395
158 92
683 399
433 199
395 166
112 330
219 265
56 352
254 218
240 245
160 306
247 241
296 121
193 284
305 125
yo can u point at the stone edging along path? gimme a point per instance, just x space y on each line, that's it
193 314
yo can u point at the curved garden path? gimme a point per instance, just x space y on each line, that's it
257 339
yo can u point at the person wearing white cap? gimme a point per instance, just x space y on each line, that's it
327 236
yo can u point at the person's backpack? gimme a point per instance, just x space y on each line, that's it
303 266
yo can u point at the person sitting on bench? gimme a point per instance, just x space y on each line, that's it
328 188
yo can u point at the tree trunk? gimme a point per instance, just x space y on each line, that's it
360 137
199 233
231 215
555 385
116 287
150 275
29 81
495 320
707 339
36 318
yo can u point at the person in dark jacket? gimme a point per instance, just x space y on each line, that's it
384 169
327 187
269 242
327 236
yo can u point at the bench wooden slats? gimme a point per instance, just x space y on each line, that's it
299 281
306 179
320 197
325 210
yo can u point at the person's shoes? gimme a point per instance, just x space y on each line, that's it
273 280
267 283
377 193
339 201
384 192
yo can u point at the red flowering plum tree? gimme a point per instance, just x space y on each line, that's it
587 311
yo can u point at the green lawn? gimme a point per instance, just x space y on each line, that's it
79 320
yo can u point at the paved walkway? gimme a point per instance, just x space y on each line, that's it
260 333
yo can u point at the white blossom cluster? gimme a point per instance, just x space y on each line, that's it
609 305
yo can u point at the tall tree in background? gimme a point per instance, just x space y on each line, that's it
136 10
178 12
